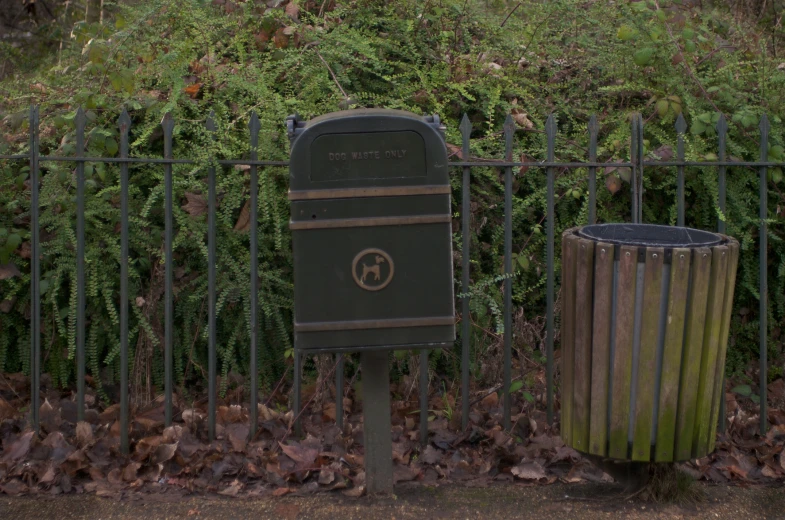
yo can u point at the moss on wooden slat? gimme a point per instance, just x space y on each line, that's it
727 309
583 314
711 340
647 357
622 356
600 355
672 355
693 348
567 334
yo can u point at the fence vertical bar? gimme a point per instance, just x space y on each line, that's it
681 127
339 364
466 130
423 397
593 130
79 120
168 125
254 127
550 130
211 313
722 131
640 157
634 169
764 214
35 275
296 397
509 133
125 124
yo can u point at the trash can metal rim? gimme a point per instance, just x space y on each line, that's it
650 235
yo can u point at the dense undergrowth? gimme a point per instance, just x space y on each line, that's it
483 58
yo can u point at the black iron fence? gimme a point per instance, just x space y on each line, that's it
636 164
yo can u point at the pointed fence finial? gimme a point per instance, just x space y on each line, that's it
124 121
509 133
550 126
509 124
466 125
167 123
764 124
80 120
210 124
722 124
253 124
594 127
681 124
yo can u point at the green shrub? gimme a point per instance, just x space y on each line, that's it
450 57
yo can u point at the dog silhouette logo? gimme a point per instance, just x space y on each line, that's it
372 269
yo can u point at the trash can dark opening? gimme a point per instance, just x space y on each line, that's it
650 235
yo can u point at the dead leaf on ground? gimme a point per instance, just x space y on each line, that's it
6 410
491 400
282 491
244 220
84 434
300 453
293 10
8 271
529 471
196 204
19 448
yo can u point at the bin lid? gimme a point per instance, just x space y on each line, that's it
650 235
366 149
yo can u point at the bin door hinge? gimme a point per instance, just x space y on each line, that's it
294 126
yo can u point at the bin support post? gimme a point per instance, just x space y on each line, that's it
377 426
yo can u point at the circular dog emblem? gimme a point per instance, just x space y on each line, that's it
372 269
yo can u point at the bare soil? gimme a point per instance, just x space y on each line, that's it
504 501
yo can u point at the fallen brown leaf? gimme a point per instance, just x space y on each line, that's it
244 220
196 204
529 471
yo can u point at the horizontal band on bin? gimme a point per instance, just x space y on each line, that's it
370 222
332 326
385 191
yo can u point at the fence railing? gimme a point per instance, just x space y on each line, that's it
637 164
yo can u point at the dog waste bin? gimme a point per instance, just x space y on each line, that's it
645 319
372 237
371 232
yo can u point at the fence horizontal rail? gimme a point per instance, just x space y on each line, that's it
637 163
451 164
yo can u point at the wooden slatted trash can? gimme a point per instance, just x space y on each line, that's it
645 320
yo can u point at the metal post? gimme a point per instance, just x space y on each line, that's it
681 127
764 214
211 313
639 202
254 127
593 130
509 133
550 129
168 126
634 169
125 125
423 397
35 275
466 130
722 130
296 404
80 275
339 363
377 426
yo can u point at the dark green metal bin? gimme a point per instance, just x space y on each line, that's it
371 231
